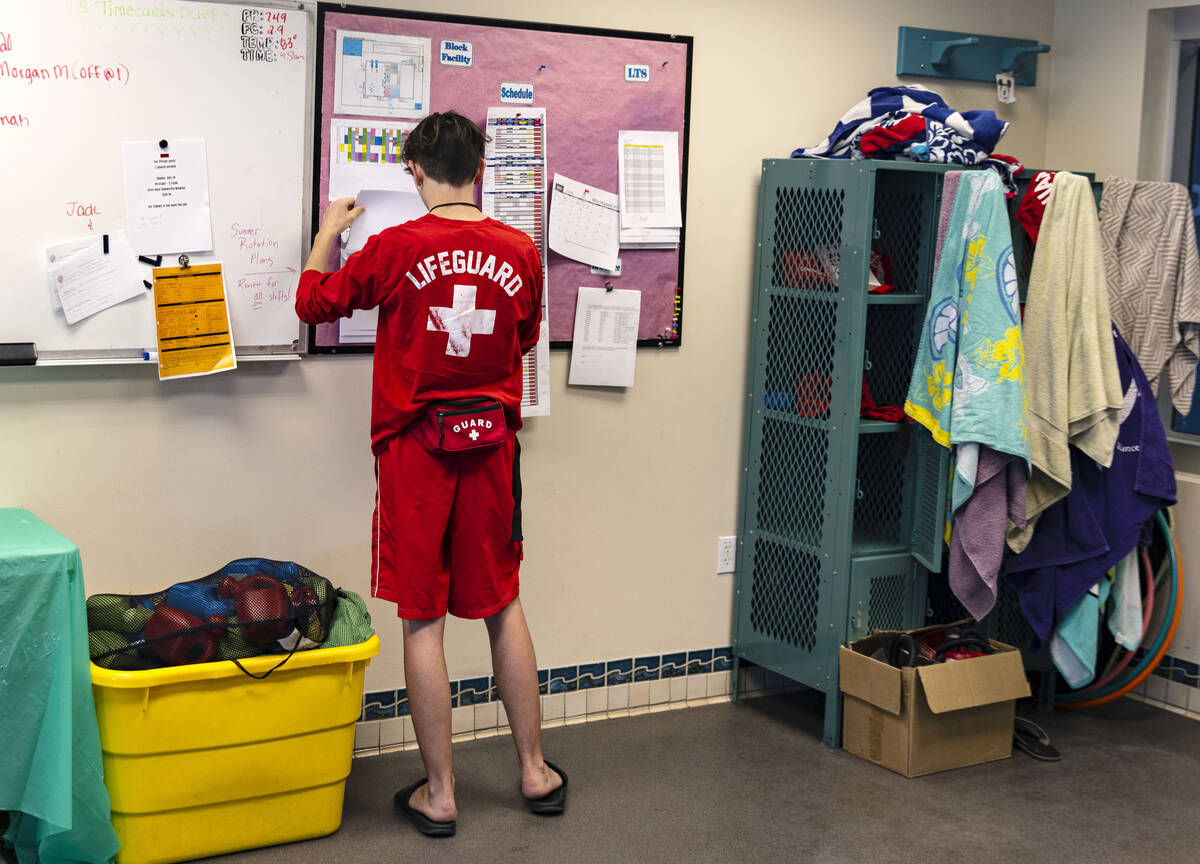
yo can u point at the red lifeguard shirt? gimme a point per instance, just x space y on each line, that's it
459 303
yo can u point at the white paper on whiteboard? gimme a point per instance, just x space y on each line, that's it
60 252
166 196
92 281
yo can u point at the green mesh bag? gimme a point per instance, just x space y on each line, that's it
351 622
233 645
118 613
107 646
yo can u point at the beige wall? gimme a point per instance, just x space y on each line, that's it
1111 84
626 492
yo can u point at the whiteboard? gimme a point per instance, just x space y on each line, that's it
79 77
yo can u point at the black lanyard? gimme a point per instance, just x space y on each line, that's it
455 204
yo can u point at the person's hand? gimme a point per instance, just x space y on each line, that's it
339 216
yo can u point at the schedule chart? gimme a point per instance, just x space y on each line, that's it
514 181
645 188
514 192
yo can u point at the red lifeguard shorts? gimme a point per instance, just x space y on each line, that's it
446 533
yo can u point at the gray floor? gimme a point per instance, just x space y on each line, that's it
752 782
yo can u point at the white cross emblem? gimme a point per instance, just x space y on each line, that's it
474 434
461 321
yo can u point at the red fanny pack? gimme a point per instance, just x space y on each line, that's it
461 424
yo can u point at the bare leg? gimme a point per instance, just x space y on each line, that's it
515 666
428 686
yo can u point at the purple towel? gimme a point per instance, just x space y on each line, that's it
977 542
949 189
1106 514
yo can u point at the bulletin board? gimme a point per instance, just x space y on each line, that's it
578 76
78 79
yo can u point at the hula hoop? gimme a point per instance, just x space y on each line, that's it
1116 689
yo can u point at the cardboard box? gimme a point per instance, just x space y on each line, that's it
930 718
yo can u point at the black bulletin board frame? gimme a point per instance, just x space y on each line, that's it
672 339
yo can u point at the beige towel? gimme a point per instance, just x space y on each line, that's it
1071 377
1153 275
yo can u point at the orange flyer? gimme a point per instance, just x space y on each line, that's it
192 322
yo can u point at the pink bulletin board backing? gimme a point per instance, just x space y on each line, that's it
578 75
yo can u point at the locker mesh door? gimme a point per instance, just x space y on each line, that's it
887 593
929 512
797 435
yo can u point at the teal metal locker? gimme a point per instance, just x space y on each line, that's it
841 516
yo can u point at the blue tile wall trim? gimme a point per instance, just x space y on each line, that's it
591 675
473 691
619 672
1177 669
385 704
564 679
674 665
700 662
722 659
379 705
646 668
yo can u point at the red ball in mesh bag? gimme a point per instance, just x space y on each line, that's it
308 612
305 599
173 635
263 607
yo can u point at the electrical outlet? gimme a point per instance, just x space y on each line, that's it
726 554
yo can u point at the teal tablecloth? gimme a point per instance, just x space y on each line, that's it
51 773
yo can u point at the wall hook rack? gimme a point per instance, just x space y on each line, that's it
966 56
1010 56
941 50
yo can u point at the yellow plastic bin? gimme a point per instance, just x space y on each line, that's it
201 760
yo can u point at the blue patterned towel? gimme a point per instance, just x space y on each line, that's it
966 137
968 381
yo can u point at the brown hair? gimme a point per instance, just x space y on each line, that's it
447 146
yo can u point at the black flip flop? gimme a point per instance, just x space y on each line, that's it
552 803
428 827
1032 739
